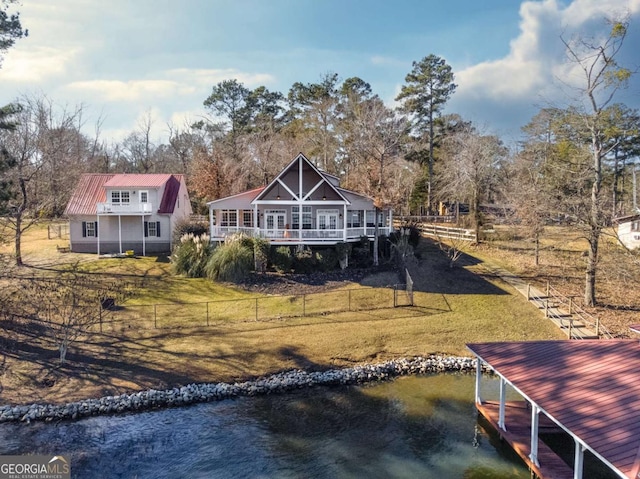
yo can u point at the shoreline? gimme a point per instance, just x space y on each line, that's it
208 392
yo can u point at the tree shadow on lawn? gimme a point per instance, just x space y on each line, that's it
432 273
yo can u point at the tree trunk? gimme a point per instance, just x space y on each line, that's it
537 249
376 241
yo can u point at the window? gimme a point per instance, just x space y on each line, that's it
307 219
120 197
152 229
144 197
635 226
229 218
89 229
247 218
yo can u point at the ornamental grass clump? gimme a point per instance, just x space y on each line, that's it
231 261
191 254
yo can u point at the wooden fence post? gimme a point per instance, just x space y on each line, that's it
207 303
528 291
548 289
155 316
546 308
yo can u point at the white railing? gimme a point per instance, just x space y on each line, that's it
296 235
124 208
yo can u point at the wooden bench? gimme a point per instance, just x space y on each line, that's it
63 249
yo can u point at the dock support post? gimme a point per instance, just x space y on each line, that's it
503 396
535 413
478 377
579 461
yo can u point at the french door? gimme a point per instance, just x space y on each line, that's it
275 221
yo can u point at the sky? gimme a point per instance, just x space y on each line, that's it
124 61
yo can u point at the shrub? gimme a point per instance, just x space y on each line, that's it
186 226
305 261
231 261
281 259
260 253
190 255
327 259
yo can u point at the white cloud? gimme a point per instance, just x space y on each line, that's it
34 65
536 66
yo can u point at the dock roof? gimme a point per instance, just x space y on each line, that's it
588 387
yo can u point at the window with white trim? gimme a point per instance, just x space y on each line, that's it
144 197
120 197
635 226
229 218
307 218
151 225
247 218
91 229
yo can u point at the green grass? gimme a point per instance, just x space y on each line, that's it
453 307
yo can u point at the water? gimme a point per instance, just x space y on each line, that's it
413 427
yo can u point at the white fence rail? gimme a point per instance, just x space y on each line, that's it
446 232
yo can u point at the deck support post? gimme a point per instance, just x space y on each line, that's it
478 377
578 462
503 401
535 415
120 233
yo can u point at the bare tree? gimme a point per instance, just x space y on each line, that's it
602 77
69 305
469 169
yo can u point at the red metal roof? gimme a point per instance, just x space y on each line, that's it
171 190
138 180
89 191
590 387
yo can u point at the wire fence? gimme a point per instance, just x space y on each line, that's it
264 308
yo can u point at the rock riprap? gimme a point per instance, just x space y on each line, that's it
198 393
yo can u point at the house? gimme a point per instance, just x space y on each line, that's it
628 230
301 206
114 213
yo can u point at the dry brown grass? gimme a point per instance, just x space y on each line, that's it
563 263
453 307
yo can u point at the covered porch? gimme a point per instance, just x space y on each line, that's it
309 224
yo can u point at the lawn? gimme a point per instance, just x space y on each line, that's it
453 306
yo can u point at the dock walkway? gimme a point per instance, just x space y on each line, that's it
518 435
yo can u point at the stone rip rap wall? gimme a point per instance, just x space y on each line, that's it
197 393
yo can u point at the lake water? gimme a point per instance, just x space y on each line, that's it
424 427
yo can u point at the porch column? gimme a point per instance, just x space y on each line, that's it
98 234
210 223
256 217
478 378
535 415
390 220
143 243
237 220
344 222
120 233
578 462
501 424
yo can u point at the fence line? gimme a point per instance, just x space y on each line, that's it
447 232
58 230
269 308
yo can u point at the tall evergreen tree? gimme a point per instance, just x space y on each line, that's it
427 88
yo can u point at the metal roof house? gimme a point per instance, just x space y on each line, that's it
113 213
588 391
301 206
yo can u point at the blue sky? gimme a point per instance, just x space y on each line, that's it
124 60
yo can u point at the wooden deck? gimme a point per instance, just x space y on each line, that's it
518 436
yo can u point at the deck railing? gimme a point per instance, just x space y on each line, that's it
297 235
124 208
